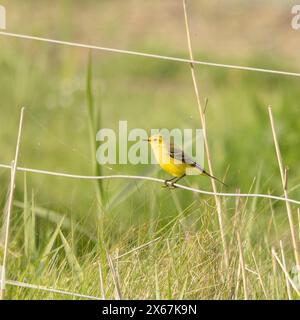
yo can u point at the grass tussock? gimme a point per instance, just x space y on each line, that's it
181 259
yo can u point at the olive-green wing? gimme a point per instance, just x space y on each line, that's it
178 154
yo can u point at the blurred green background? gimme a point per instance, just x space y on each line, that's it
50 81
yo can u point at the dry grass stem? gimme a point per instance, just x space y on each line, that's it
203 123
283 174
10 204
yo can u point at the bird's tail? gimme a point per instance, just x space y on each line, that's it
207 174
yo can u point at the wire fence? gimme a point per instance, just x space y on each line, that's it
13 167
180 186
149 55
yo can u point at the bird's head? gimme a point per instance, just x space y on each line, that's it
156 139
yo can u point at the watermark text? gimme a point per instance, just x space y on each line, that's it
175 146
2 17
296 17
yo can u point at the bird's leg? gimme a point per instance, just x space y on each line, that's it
168 182
177 179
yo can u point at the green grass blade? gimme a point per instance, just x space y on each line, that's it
26 219
157 290
51 241
183 290
29 224
72 260
55 217
94 123
32 227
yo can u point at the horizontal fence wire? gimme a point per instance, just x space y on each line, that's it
149 55
120 176
47 289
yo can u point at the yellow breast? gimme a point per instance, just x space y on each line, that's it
166 162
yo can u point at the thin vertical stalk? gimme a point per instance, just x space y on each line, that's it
259 277
298 216
288 288
283 175
94 123
236 291
118 293
203 123
242 264
101 281
275 282
10 204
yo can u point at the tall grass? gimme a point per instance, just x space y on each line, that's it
183 264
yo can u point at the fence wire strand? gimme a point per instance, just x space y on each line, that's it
180 186
150 55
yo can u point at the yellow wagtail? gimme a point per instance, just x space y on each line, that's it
173 160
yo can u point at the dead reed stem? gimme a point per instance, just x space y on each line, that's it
101 281
115 276
283 174
203 123
274 254
288 288
242 264
259 276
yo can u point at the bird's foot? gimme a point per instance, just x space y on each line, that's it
169 184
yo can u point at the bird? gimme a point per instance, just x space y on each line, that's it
173 160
